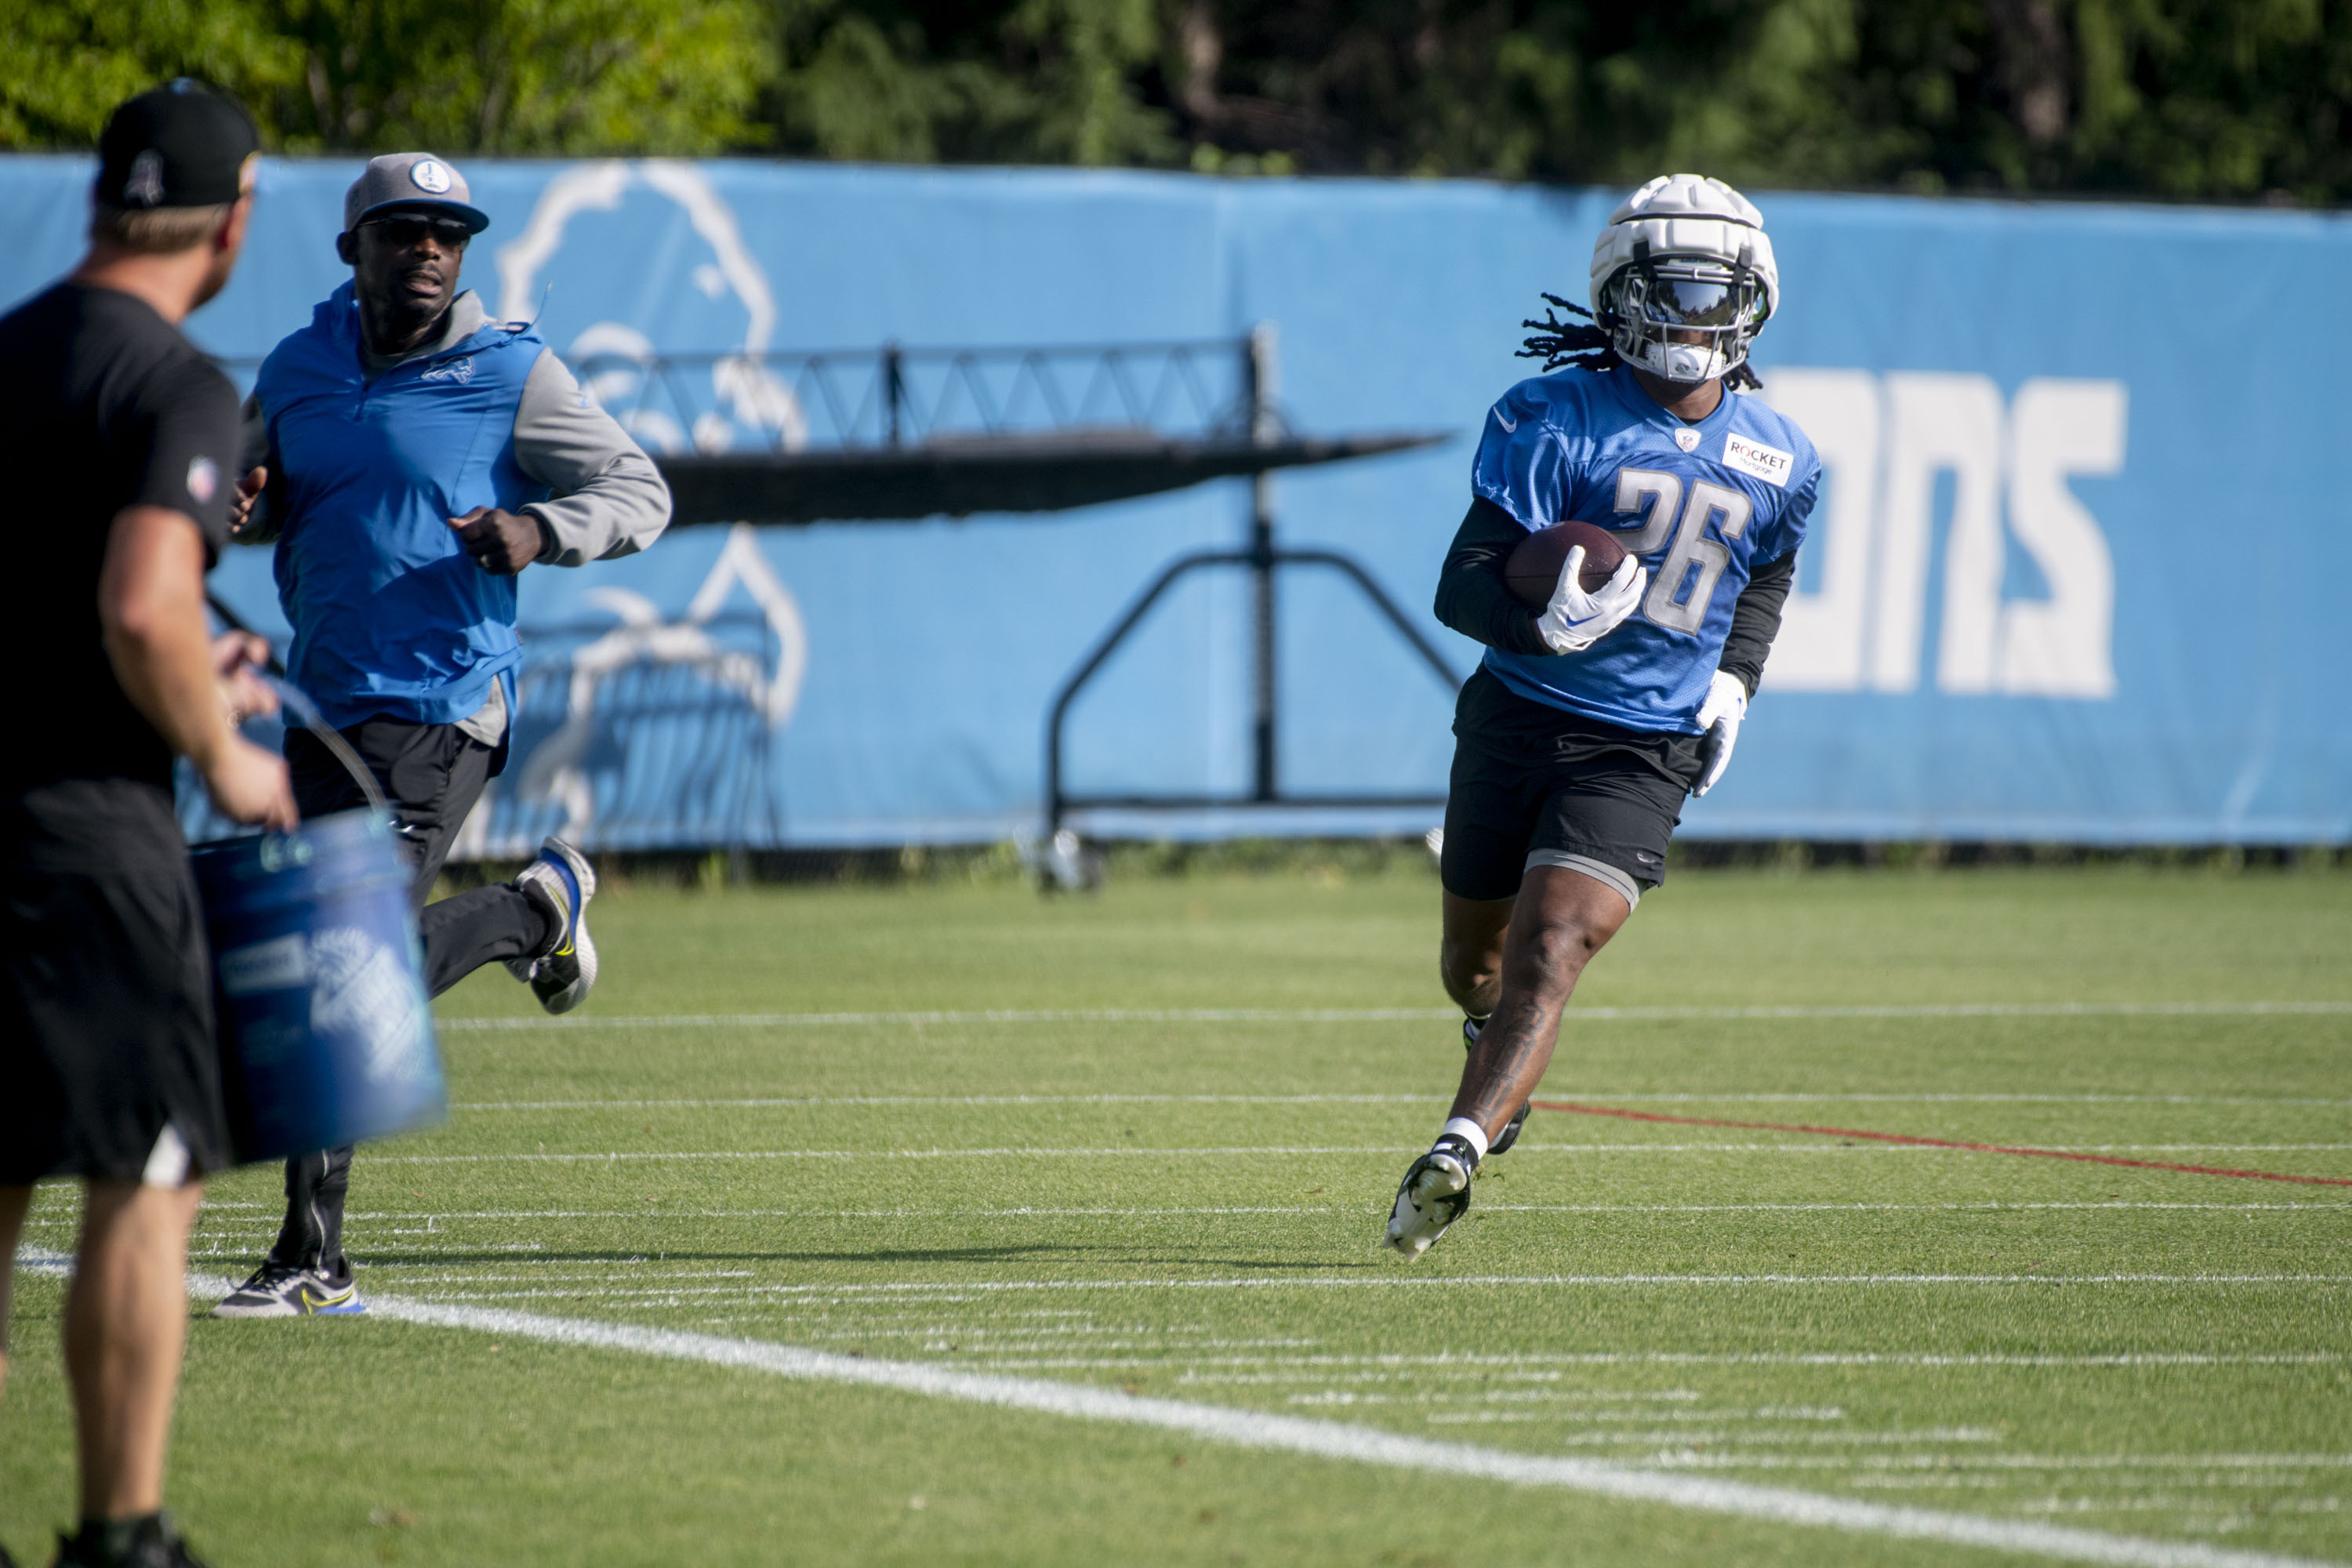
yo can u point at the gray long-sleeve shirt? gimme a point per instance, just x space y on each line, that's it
607 500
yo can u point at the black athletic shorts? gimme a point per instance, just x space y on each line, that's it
1533 785
106 1012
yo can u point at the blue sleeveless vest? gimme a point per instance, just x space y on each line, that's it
391 617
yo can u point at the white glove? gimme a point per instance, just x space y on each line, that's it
1726 706
1575 620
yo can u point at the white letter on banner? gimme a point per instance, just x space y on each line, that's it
2062 646
1938 422
1821 641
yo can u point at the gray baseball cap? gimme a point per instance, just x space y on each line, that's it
411 180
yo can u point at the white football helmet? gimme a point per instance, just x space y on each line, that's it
1684 255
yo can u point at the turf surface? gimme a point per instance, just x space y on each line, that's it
1187 1207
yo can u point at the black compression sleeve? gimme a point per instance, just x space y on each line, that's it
1472 596
1756 620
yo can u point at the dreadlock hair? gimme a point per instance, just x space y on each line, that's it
1559 342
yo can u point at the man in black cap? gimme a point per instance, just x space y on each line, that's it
411 458
119 436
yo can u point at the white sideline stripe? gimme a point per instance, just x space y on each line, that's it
1405 1014
1318 1440
1364 1445
780 1102
1457 1282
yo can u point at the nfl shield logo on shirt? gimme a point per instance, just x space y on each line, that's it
203 478
1687 438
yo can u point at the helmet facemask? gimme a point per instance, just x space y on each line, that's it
1650 303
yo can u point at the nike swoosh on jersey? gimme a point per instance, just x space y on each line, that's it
1505 421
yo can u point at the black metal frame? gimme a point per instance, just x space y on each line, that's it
865 399
1262 560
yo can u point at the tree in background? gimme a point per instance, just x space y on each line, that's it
1036 81
2191 98
461 76
2176 98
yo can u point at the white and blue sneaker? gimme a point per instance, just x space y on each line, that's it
1435 1192
560 883
283 1290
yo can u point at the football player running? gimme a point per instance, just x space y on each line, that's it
1590 719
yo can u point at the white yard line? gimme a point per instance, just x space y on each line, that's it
791 1102
1318 1439
1483 1365
218 1226
1287 1150
1404 1014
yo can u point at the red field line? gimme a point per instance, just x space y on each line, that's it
1575 1109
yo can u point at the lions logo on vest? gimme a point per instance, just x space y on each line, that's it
460 370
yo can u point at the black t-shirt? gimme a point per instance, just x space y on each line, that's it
103 406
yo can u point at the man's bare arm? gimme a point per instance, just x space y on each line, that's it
151 603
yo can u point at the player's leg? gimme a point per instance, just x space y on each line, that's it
434 774
1564 915
1470 961
1492 804
1599 838
126 1321
1470 950
14 1204
1560 919
305 1273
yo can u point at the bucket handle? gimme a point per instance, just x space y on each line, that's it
305 710
308 712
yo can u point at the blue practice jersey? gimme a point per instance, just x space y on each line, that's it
1701 504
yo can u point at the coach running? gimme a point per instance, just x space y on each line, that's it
410 456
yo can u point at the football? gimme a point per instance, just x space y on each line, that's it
1533 569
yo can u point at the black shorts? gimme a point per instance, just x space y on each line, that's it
106 1012
1533 785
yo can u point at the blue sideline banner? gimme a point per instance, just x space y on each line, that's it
2073 575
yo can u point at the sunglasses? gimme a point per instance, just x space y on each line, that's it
405 229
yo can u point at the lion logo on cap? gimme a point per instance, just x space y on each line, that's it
429 175
144 188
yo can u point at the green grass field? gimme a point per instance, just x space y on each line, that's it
1185 1208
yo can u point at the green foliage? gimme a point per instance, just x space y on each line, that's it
2185 98
460 76
65 64
1045 81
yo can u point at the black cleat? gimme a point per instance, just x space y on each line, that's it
1435 1192
1510 1132
149 1543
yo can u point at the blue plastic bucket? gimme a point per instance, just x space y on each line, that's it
326 1032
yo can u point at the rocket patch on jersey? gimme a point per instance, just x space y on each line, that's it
1766 463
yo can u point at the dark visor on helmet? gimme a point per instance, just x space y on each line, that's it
1696 302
